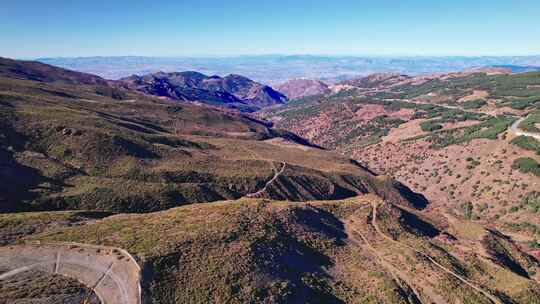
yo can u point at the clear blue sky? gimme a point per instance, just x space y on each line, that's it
237 27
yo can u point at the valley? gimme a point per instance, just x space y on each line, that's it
270 152
184 188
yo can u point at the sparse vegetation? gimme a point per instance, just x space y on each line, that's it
429 126
474 104
489 129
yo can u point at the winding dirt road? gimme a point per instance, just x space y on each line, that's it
112 273
277 173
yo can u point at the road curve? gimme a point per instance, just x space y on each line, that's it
518 132
112 273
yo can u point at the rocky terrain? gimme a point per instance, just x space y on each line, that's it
232 91
104 185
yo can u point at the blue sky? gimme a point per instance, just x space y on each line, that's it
30 29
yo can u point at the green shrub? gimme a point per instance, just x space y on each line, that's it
527 143
527 165
529 124
474 104
522 104
95 171
532 200
534 244
113 93
430 125
467 210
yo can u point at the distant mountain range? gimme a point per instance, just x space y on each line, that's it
276 69
233 91
518 68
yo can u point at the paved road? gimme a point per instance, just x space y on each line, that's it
111 273
516 130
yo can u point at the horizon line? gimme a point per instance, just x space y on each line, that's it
279 55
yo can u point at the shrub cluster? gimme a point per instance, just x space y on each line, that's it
527 165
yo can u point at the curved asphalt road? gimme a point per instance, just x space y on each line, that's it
112 273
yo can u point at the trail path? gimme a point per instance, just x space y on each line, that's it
402 279
112 273
489 296
277 173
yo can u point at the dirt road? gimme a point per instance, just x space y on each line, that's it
268 183
489 296
518 132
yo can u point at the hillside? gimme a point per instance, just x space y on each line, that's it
232 91
359 250
299 88
376 80
67 146
468 141
33 70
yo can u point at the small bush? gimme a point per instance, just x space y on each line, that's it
532 200
430 126
529 124
527 143
527 165
474 104
467 210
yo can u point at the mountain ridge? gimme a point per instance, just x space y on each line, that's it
232 90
